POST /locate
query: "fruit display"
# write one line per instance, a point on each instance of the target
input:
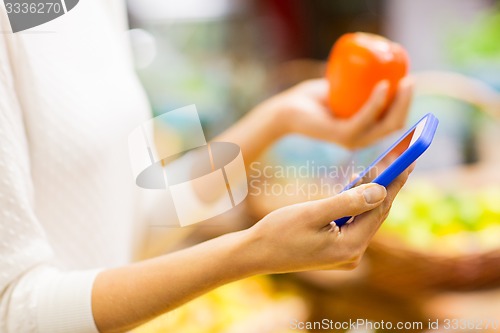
(357, 62)
(429, 219)
(250, 305)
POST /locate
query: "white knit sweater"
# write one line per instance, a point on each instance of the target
(68, 203)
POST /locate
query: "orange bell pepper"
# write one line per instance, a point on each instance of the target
(357, 62)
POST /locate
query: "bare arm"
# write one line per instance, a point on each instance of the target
(127, 296)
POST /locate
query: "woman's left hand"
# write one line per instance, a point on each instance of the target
(303, 109)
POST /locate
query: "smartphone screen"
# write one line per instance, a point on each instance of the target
(368, 175)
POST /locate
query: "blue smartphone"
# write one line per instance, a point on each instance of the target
(398, 157)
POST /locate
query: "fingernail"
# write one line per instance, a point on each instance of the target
(407, 80)
(384, 85)
(374, 194)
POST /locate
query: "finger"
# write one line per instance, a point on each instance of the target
(395, 186)
(396, 116)
(329, 128)
(366, 225)
(354, 177)
(372, 108)
(411, 168)
(353, 202)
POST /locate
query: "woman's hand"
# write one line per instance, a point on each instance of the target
(291, 239)
(303, 109)
(300, 237)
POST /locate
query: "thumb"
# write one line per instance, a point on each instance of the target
(353, 202)
(373, 107)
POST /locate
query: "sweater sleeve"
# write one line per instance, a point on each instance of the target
(34, 297)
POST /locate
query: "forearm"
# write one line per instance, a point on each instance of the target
(125, 297)
(256, 131)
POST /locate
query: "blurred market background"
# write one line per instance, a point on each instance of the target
(438, 254)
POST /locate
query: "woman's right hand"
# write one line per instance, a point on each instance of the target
(300, 237)
(291, 239)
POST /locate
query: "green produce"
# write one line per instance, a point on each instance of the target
(448, 222)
